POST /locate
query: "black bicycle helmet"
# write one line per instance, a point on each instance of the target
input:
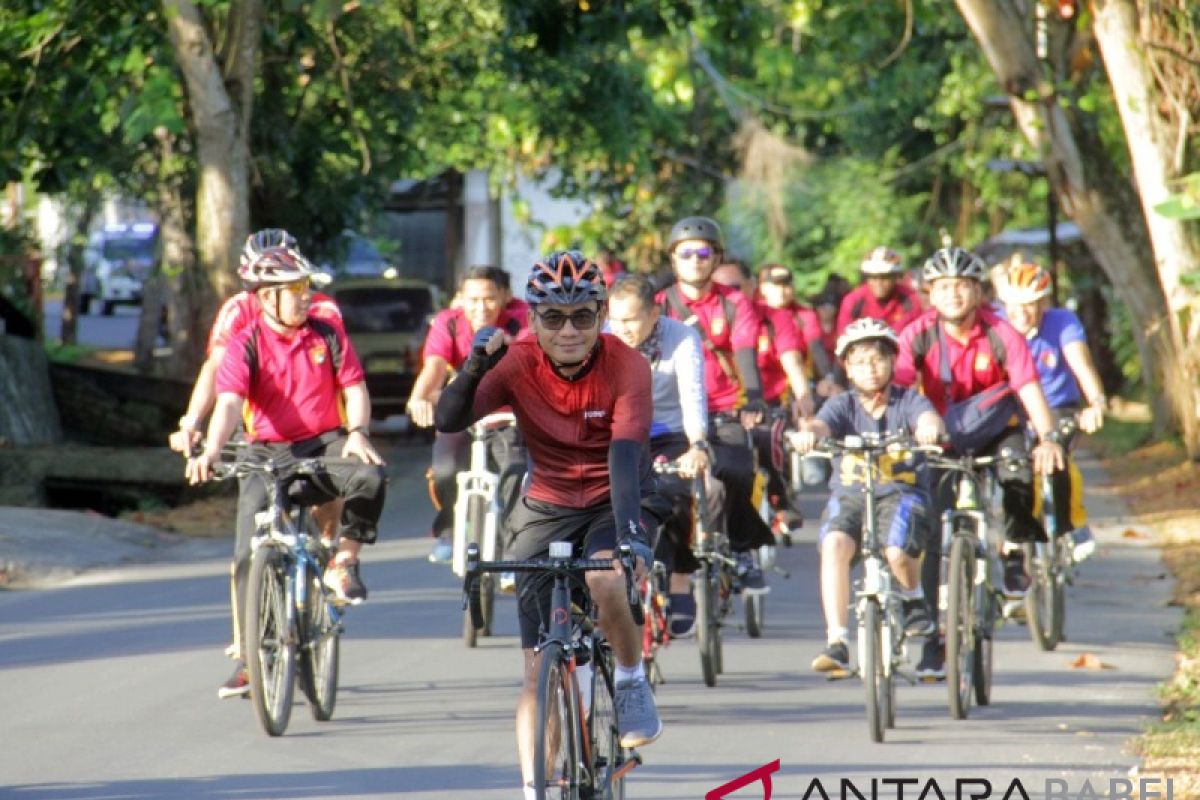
(953, 262)
(701, 228)
(566, 277)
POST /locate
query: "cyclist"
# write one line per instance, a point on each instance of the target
(1058, 344)
(584, 401)
(678, 429)
(868, 349)
(881, 295)
(481, 303)
(303, 390)
(728, 329)
(781, 354)
(777, 291)
(970, 363)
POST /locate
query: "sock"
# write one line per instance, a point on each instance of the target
(910, 594)
(530, 792)
(834, 635)
(629, 673)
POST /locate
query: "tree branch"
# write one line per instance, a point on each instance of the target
(344, 78)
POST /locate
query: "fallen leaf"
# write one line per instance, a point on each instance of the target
(1130, 533)
(1090, 661)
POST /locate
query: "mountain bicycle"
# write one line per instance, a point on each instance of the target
(293, 623)
(477, 513)
(1051, 565)
(879, 608)
(577, 747)
(968, 587)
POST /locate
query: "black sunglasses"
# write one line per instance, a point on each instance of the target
(582, 320)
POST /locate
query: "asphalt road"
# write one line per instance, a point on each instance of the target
(110, 691)
(95, 330)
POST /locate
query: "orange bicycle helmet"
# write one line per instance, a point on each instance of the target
(1025, 283)
(567, 277)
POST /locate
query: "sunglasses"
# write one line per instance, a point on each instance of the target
(299, 287)
(582, 320)
(685, 253)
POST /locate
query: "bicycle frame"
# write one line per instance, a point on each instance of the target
(478, 482)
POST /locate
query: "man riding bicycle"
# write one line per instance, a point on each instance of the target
(678, 430)
(481, 298)
(583, 400)
(974, 367)
(728, 329)
(1058, 344)
(875, 405)
(304, 393)
(882, 294)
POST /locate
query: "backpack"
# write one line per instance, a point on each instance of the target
(674, 307)
(976, 422)
(326, 331)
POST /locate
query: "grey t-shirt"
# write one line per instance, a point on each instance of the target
(676, 357)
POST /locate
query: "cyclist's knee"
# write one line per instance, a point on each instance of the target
(839, 545)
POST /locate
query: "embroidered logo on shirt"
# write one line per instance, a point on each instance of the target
(982, 362)
(589, 414)
(1049, 359)
(318, 353)
(718, 326)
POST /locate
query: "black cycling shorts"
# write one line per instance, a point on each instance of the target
(535, 524)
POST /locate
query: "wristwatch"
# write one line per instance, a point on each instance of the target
(363, 429)
(1053, 437)
(188, 423)
(702, 446)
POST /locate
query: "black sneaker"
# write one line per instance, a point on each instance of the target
(834, 660)
(917, 620)
(345, 582)
(238, 684)
(750, 575)
(1016, 579)
(932, 666)
(682, 615)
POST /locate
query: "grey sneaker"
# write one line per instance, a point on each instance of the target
(1083, 542)
(834, 660)
(637, 716)
(238, 684)
(443, 550)
(750, 574)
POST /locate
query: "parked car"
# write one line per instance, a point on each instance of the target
(387, 319)
(116, 264)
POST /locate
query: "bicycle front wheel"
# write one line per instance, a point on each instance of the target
(1044, 603)
(320, 654)
(960, 622)
(609, 759)
(708, 630)
(871, 667)
(270, 645)
(556, 735)
(756, 613)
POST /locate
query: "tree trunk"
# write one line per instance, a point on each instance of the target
(220, 94)
(72, 285)
(1089, 188)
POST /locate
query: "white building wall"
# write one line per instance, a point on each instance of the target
(520, 242)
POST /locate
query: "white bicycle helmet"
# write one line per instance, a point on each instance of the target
(953, 262)
(882, 262)
(866, 329)
(275, 265)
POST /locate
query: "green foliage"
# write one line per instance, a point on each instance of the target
(16, 248)
(1184, 204)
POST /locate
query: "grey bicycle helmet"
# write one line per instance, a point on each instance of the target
(701, 228)
(863, 330)
(881, 262)
(567, 277)
(953, 262)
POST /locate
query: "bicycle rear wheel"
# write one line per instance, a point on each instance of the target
(1044, 602)
(608, 757)
(960, 623)
(320, 654)
(270, 644)
(708, 629)
(756, 612)
(871, 667)
(986, 611)
(476, 518)
(556, 735)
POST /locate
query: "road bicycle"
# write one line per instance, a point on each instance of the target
(882, 650)
(293, 622)
(1051, 565)
(577, 747)
(968, 587)
(477, 514)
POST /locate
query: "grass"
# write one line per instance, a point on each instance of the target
(69, 353)
(1120, 437)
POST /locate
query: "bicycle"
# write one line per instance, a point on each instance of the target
(878, 606)
(1051, 566)
(293, 624)
(577, 749)
(477, 513)
(968, 564)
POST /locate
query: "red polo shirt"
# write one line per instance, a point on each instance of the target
(974, 366)
(450, 334)
(897, 311)
(778, 334)
(568, 425)
(243, 308)
(294, 393)
(731, 324)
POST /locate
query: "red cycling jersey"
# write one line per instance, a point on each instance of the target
(974, 366)
(730, 322)
(569, 424)
(778, 334)
(897, 311)
(292, 385)
(242, 309)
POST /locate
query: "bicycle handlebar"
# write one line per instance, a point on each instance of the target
(496, 420)
(554, 566)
